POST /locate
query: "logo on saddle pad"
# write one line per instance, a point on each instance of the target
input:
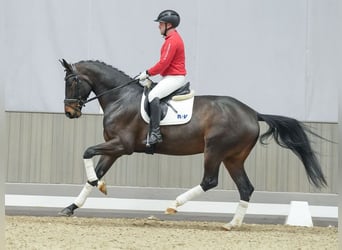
(176, 109)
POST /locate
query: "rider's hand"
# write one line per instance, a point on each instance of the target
(143, 76)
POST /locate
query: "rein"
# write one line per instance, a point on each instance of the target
(82, 102)
(108, 91)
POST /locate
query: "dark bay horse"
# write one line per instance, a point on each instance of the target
(222, 128)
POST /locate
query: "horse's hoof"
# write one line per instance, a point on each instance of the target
(102, 187)
(66, 212)
(170, 210)
(227, 227)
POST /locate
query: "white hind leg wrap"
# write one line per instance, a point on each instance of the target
(90, 171)
(239, 215)
(83, 195)
(188, 195)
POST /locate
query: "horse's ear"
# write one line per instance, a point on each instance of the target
(66, 66)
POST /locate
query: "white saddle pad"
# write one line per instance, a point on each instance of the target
(180, 115)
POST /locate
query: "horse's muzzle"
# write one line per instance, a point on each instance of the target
(73, 115)
(72, 110)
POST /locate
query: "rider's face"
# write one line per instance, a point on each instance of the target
(163, 26)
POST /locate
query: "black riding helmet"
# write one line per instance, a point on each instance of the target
(169, 16)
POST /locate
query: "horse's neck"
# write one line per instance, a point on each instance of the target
(115, 94)
(109, 81)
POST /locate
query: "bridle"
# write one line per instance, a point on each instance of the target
(81, 102)
(78, 99)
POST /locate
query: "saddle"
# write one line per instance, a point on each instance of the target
(180, 94)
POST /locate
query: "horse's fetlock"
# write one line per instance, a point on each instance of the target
(93, 183)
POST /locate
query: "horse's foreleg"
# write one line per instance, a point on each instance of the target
(90, 171)
(102, 167)
(110, 154)
(105, 162)
(87, 188)
(92, 177)
(245, 188)
(79, 201)
(110, 151)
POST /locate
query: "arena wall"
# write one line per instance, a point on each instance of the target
(48, 148)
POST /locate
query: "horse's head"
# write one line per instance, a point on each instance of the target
(77, 90)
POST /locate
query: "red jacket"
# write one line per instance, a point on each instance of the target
(172, 57)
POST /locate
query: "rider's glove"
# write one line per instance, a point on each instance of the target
(143, 76)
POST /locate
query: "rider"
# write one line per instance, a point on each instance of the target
(171, 67)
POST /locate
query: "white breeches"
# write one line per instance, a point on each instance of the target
(166, 86)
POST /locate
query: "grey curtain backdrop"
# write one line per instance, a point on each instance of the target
(279, 57)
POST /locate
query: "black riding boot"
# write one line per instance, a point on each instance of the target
(155, 135)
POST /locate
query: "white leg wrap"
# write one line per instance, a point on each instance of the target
(183, 198)
(239, 215)
(90, 171)
(189, 195)
(83, 195)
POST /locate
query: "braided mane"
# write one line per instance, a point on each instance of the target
(104, 64)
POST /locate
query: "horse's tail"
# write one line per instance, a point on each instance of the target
(290, 133)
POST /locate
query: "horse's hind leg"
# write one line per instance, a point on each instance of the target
(209, 181)
(239, 176)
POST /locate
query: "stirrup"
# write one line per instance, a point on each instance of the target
(154, 138)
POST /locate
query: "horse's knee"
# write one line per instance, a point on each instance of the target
(209, 183)
(88, 154)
